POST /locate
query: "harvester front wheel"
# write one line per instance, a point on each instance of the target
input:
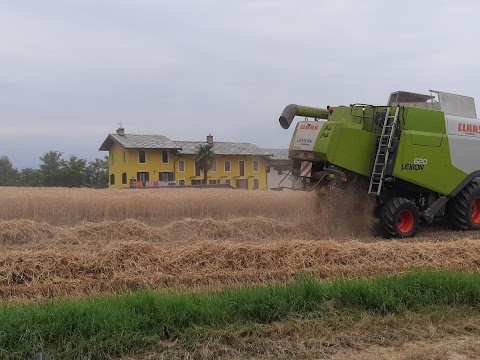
(400, 218)
(464, 212)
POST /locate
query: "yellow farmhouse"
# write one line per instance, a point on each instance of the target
(155, 161)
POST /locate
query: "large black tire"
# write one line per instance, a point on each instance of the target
(463, 211)
(399, 218)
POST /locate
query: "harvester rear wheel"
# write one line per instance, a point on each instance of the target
(400, 218)
(464, 211)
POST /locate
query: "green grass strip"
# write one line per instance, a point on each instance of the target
(103, 327)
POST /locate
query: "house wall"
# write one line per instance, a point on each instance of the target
(127, 161)
(154, 165)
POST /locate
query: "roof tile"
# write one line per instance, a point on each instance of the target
(223, 148)
(131, 141)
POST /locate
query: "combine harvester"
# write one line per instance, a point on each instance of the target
(419, 156)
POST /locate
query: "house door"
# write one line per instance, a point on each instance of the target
(241, 167)
(165, 177)
(242, 183)
(143, 176)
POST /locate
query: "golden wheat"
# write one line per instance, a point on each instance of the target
(28, 234)
(78, 242)
(63, 206)
(132, 265)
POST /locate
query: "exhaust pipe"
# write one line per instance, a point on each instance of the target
(293, 110)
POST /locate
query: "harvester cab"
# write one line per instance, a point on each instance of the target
(418, 155)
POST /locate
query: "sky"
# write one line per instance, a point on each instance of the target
(71, 71)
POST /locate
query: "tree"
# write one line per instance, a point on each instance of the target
(51, 167)
(97, 172)
(30, 177)
(73, 173)
(8, 174)
(204, 159)
(56, 171)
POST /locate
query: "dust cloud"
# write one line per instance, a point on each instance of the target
(344, 213)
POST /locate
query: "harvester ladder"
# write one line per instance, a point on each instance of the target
(383, 151)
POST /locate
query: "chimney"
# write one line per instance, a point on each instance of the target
(121, 131)
(210, 139)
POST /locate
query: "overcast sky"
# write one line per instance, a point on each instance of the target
(72, 70)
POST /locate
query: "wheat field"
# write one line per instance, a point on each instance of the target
(62, 206)
(79, 242)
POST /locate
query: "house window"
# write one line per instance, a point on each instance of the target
(164, 156)
(255, 165)
(196, 182)
(111, 157)
(256, 184)
(112, 179)
(124, 157)
(198, 171)
(124, 178)
(227, 166)
(165, 176)
(143, 176)
(214, 166)
(241, 166)
(181, 182)
(141, 157)
(213, 181)
(228, 181)
(181, 165)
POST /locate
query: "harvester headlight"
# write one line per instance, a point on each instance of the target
(325, 134)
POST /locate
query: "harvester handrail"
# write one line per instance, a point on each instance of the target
(352, 106)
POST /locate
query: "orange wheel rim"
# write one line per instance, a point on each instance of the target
(476, 211)
(406, 220)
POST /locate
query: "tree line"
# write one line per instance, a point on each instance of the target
(55, 170)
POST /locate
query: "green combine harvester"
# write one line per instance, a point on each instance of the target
(419, 156)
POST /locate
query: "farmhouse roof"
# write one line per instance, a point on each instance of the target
(223, 148)
(131, 141)
(279, 154)
(280, 159)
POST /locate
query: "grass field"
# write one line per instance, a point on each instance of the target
(100, 328)
(61, 244)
